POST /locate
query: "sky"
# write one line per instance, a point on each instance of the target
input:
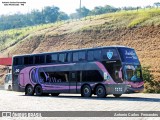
(68, 6)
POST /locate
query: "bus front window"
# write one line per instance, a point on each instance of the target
(133, 73)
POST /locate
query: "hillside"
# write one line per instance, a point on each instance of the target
(137, 29)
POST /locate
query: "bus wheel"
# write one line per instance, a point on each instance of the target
(117, 95)
(38, 90)
(29, 90)
(9, 88)
(54, 94)
(86, 91)
(100, 91)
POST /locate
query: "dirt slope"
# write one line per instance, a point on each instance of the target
(103, 30)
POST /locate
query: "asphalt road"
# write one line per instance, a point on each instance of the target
(10, 100)
(17, 101)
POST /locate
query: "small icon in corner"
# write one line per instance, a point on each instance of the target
(6, 114)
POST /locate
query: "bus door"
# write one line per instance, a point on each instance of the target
(74, 78)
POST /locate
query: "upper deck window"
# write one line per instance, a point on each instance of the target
(18, 61)
(28, 60)
(69, 57)
(97, 54)
(51, 58)
(62, 57)
(79, 56)
(82, 56)
(94, 55)
(90, 56)
(39, 59)
(75, 57)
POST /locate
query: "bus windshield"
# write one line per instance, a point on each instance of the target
(133, 73)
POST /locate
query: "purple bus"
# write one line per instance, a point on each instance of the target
(101, 71)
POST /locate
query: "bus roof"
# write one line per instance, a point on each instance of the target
(113, 46)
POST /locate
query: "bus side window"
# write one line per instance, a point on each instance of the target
(39, 59)
(69, 57)
(97, 54)
(51, 58)
(48, 59)
(82, 56)
(62, 57)
(75, 57)
(90, 56)
(18, 61)
(75, 76)
(28, 60)
(91, 76)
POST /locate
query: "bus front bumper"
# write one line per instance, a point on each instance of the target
(135, 90)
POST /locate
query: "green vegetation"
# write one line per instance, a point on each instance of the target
(52, 14)
(110, 21)
(35, 17)
(144, 16)
(124, 19)
(10, 37)
(151, 85)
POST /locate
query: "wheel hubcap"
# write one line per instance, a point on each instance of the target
(86, 91)
(100, 91)
(29, 90)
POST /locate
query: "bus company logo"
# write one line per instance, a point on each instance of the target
(130, 53)
(109, 55)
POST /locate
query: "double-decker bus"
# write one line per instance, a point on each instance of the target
(101, 71)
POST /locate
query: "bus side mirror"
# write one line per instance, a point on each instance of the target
(120, 74)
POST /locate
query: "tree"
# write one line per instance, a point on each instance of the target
(51, 14)
(151, 85)
(62, 16)
(83, 12)
(101, 10)
(74, 16)
(157, 4)
(36, 17)
(109, 9)
(97, 10)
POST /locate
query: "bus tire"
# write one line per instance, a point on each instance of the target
(54, 94)
(38, 90)
(29, 90)
(101, 91)
(86, 91)
(117, 95)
